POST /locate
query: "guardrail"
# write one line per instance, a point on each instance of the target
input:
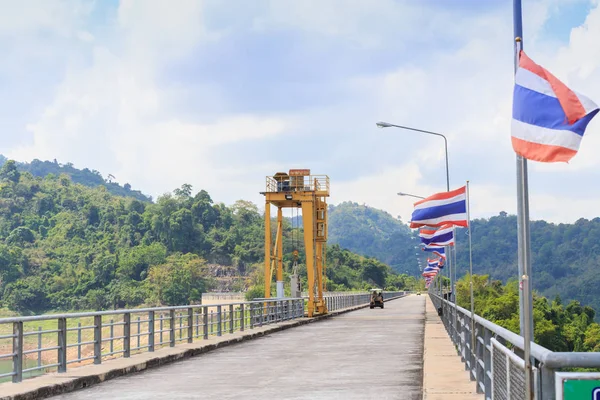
(39, 344)
(496, 363)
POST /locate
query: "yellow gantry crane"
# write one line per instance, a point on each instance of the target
(301, 190)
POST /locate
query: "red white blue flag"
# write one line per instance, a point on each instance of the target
(444, 236)
(549, 119)
(437, 250)
(441, 209)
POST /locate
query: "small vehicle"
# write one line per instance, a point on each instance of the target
(418, 293)
(376, 298)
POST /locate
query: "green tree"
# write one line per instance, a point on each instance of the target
(9, 172)
(181, 280)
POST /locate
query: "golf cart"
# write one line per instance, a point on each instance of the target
(376, 298)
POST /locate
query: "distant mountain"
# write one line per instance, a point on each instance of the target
(84, 177)
(64, 246)
(564, 256)
(375, 233)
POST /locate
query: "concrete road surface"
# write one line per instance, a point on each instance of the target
(366, 354)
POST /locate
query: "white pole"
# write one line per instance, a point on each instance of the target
(471, 273)
(454, 267)
(524, 238)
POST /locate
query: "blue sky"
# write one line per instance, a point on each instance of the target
(197, 91)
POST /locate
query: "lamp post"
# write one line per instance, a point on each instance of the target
(388, 125)
(382, 124)
(410, 195)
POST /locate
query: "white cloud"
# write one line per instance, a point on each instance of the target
(367, 23)
(118, 114)
(110, 116)
(57, 16)
(467, 96)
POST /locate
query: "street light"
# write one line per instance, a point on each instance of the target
(410, 195)
(388, 125)
(382, 124)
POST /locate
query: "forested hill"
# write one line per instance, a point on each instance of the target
(65, 246)
(84, 176)
(564, 256)
(375, 233)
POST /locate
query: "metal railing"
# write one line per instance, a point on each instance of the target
(496, 362)
(39, 344)
(317, 183)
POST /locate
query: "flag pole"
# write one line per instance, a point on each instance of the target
(471, 274)
(524, 241)
(454, 266)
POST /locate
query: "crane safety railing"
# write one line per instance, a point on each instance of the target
(31, 346)
(496, 364)
(312, 183)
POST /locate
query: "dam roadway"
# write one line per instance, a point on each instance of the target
(366, 354)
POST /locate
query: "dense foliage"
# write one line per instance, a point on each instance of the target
(564, 258)
(563, 255)
(67, 246)
(374, 233)
(556, 326)
(84, 176)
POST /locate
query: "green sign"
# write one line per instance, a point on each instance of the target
(575, 389)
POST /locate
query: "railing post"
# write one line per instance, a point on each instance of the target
(97, 339)
(39, 353)
(127, 334)
(172, 328)
(242, 321)
(160, 327)
(112, 335)
(62, 345)
(219, 321)
(279, 310)
(487, 360)
(205, 322)
(17, 348)
(180, 325)
(151, 322)
(479, 355)
(472, 354)
(198, 322)
(231, 318)
(463, 339)
(190, 323)
(548, 387)
(252, 312)
(139, 331)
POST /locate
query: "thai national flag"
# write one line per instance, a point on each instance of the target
(439, 263)
(444, 236)
(446, 208)
(549, 119)
(440, 251)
